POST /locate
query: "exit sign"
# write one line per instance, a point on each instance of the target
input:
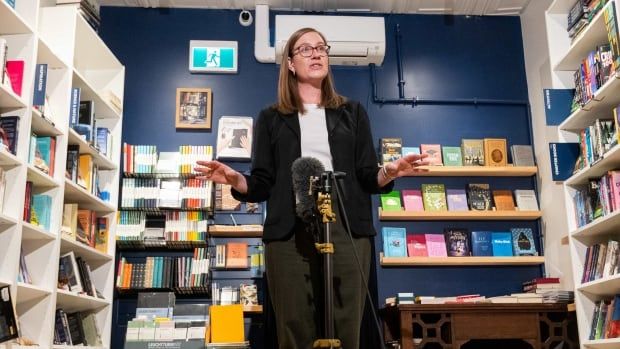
(212, 56)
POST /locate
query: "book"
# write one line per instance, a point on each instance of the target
(522, 155)
(102, 233)
(503, 200)
(234, 137)
(436, 245)
(473, 152)
(410, 150)
(526, 200)
(391, 201)
(391, 149)
(523, 242)
(86, 121)
(226, 323)
(85, 227)
(434, 197)
(416, 245)
(68, 228)
(501, 243)
(457, 242)
(40, 85)
(412, 200)
(452, 156)
(74, 108)
(394, 241)
(15, 69)
(4, 53)
(563, 157)
(457, 200)
(236, 255)
(9, 132)
(8, 329)
(558, 104)
(481, 243)
(479, 196)
(68, 273)
(495, 153)
(434, 154)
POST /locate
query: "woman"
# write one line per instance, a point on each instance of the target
(310, 119)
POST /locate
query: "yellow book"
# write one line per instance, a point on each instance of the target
(226, 323)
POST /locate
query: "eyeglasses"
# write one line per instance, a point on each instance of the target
(306, 50)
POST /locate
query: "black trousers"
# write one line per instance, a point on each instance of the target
(295, 275)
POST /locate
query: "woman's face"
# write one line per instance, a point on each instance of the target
(313, 68)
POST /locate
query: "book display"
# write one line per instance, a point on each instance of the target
(585, 57)
(58, 187)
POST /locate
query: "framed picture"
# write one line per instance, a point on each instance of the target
(69, 273)
(234, 137)
(193, 108)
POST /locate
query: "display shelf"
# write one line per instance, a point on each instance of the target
(40, 179)
(604, 100)
(34, 232)
(57, 346)
(12, 22)
(610, 343)
(99, 159)
(459, 261)
(45, 54)
(609, 161)
(6, 220)
(76, 194)
(103, 109)
(72, 302)
(27, 292)
(476, 171)
(608, 286)
(9, 100)
(8, 160)
(594, 34)
(185, 291)
(43, 126)
(94, 257)
(244, 231)
(165, 209)
(598, 227)
(458, 215)
(253, 309)
(159, 244)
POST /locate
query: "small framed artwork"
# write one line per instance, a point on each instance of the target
(234, 138)
(193, 108)
(69, 273)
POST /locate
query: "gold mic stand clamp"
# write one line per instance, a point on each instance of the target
(326, 343)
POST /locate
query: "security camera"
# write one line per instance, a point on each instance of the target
(245, 18)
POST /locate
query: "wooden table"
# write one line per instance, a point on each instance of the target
(450, 326)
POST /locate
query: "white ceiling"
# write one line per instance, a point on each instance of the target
(453, 7)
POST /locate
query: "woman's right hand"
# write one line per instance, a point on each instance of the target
(222, 174)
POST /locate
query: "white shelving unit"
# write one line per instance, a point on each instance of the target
(565, 58)
(37, 32)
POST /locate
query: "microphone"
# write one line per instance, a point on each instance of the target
(302, 169)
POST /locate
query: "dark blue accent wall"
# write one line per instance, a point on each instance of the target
(443, 57)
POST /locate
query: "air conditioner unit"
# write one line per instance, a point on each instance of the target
(353, 40)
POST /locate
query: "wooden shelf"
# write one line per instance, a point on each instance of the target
(8, 160)
(253, 309)
(34, 232)
(458, 215)
(76, 194)
(8, 99)
(92, 256)
(40, 179)
(72, 302)
(12, 22)
(459, 261)
(608, 162)
(236, 230)
(604, 100)
(605, 287)
(43, 126)
(103, 162)
(477, 171)
(610, 343)
(27, 292)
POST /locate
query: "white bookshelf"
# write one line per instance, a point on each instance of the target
(38, 32)
(565, 58)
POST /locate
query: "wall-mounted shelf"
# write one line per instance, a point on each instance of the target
(459, 261)
(236, 230)
(476, 171)
(458, 215)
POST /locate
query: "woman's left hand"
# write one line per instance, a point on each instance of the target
(407, 165)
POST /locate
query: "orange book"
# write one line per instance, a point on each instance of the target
(503, 200)
(495, 153)
(226, 324)
(236, 255)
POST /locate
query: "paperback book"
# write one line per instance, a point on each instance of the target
(457, 242)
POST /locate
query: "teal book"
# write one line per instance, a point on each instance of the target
(391, 201)
(394, 241)
(452, 156)
(41, 210)
(410, 150)
(43, 154)
(502, 244)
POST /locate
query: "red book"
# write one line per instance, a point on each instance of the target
(416, 245)
(15, 69)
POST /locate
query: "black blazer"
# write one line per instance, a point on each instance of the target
(277, 144)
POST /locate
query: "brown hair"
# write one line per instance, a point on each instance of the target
(289, 100)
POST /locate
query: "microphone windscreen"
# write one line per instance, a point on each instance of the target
(302, 169)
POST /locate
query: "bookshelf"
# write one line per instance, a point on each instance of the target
(458, 215)
(565, 58)
(459, 261)
(476, 171)
(38, 32)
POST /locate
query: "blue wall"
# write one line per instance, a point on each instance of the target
(443, 57)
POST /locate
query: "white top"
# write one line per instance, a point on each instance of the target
(314, 140)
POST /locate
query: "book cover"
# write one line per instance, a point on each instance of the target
(473, 152)
(481, 243)
(501, 243)
(457, 242)
(434, 197)
(563, 157)
(412, 200)
(15, 69)
(391, 149)
(558, 104)
(495, 153)
(9, 132)
(40, 84)
(611, 25)
(84, 227)
(236, 255)
(101, 237)
(436, 245)
(226, 323)
(391, 201)
(503, 200)
(394, 241)
(85, 171)
(526, 200)
(434, 153)
(416, 245)
(410, 150)
(523, 242)
(457, 200)
(86, 121)
(234, 137)
(452, 156)
(479, 196)
(522, 155)
(74, 109)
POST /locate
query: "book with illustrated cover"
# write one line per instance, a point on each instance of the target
(234, 137)
(457, 242)
(391, 201)
(68, 228)
(236, 255)
(436, 245)
(412, 200)
(457, 200)
(503, 200)
(501, 243)
(8, 321)
(473, 152)
(391, 149)
(101, 237)
(416, 245)
(452, 156)
(523, 242)
(9, 131)
(479, 196)
(526, 200)
(394, 241)
(481, 243)
(611, 24)
(410, 150)
(522, 155)
(434, 197)
(495, 153)
(434, 154)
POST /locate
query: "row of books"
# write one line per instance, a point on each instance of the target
(245, 294)
(181, 273)
(79, 328)
(541, 285)
(83, 120)
(89, 9)
(472, 152)
(82, 170)
(42, 153)
(152, 193)
(37, 208)
(606, 319)
(24, 273)
(599, 198)
(145, 160)
(477, 197)
(75, 275)
(601, 261)
(84, 226)
(168, 226)
(458, 242)
(581, 14)
(596, 140)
